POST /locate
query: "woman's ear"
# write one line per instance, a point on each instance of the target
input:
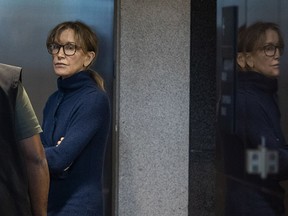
(89, 58)
(241, 61)
(249, 60)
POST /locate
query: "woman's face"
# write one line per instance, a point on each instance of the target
(65, 66)
(261, 63)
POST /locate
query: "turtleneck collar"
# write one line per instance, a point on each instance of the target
(74, 82)
(258, 80)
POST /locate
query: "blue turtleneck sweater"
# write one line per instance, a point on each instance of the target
(257, 115)
(79, 111)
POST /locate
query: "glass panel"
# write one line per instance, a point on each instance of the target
(252, 155)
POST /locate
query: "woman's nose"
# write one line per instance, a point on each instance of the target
(61, 51)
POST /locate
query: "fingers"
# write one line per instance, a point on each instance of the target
(59, 142)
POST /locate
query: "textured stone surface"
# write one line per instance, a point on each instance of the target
(154, 108)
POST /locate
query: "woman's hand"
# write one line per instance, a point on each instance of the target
(59, 142)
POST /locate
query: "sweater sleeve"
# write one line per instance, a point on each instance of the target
(86, 121)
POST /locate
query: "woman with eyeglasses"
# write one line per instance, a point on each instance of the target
(253, 185)
(76, 121)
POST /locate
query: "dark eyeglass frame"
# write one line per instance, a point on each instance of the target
(270, 48)
(54, 48)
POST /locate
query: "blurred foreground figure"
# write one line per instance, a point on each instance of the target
(24, 177)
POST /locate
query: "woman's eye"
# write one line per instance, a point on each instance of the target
(270, 48)
(70, 47)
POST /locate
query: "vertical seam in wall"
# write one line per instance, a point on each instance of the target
(116, 109)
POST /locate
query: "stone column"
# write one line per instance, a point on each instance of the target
(153, 108)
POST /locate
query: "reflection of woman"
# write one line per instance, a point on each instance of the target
(257, 115)
(75, 124)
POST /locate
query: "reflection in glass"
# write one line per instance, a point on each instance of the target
(255, 154)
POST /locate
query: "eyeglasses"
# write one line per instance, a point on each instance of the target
(69, 48)
(270, 50)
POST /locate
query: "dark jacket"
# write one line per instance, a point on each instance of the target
(14, 196)
(79, 111)
(257, 115)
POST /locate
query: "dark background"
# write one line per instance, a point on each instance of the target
(204, 86)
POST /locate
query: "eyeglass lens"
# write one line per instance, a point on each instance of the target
(270, 50)
(69, 49)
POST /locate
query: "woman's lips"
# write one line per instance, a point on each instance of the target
(60, 65)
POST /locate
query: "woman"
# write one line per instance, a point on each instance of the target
(257, 119)
(75, 123)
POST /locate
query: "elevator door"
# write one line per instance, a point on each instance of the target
(24, 28)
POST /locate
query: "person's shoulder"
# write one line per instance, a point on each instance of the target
(9, 76)
(249, 100)
(52, 99)
(249, 93)
(94, 96)
(53, 95)
(94, 90)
